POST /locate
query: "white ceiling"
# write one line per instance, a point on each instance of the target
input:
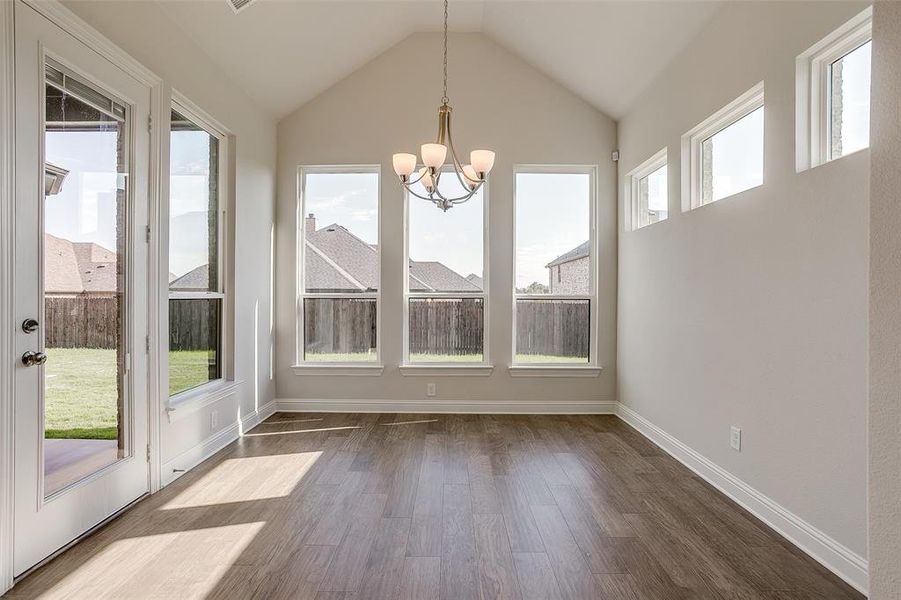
(284, 53)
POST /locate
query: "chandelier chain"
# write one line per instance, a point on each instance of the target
(444, 98)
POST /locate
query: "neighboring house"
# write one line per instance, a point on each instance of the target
(338, 261)
(569, 272)
(195, 280)
(72, 268)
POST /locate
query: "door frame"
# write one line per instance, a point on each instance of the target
(69, 22)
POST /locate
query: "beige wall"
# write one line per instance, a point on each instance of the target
(752, 311)
(142, 30)
(390, 105)
(885, 306)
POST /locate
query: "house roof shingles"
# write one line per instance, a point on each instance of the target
(339, 261)
(77, 267)
(580, 251)
(197, 279)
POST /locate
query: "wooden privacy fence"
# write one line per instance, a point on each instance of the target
(338, 325)
(447, 326)
(81, 321)
(194, 324)
(91, 322)
(553, 327)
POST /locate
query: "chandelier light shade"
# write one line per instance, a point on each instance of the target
(435, 155)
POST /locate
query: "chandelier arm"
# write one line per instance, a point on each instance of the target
(457, 200)
(420, 197)
(417, 180)
(461, 174)
(441, 198)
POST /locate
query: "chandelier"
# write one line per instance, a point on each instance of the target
(471, 176)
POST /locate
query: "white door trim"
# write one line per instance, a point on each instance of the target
(7, 242)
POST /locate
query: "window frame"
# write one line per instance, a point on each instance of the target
(213, 389)
(693, 140)
(814, 89)
(301, 365)
(482, 367)
(591, 367)
(633, 208)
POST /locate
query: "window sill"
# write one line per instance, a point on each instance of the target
(314, 369)
(446, 370)
(191, 401)
(553, 371)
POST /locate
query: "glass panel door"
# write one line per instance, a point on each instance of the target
(84, 236)
(82, 158)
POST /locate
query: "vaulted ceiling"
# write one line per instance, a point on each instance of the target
(284, 53)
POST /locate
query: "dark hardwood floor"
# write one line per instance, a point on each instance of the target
(340, 506)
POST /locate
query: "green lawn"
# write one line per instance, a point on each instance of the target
(187, 369)
(80, 394)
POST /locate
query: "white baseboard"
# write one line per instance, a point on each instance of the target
(258, 416)
(528, 407)
(198, 453)
(836, 557)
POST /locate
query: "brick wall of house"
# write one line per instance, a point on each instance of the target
(570, 277)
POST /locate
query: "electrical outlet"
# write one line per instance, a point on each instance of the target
(431, 389)
(735, 439)
(214, 419)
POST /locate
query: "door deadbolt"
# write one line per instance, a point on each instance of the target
(30, 325)
(32, 358)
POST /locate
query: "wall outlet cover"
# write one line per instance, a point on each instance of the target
(735, 438)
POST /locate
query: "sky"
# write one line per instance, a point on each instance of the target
(738, 156)
(657, 193)
(454, 238)
(189, 174)
(85, 209)
(552, 218)
(856, 99)
(348, 199)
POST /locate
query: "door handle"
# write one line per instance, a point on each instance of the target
(32, 358)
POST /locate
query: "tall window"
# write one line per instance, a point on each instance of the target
(724, 154)
(556, 271)
(339, 247)
(196, 287)
(833, 106)
(445, 288)
(646, 192)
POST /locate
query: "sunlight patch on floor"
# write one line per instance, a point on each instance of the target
(300, 431)
(270, 476)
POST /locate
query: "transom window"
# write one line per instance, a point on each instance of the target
(338, 237)
(445, 301)
(833, 106)
(555, 300)
(196, 286)
(723, 156)
(646, 193)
